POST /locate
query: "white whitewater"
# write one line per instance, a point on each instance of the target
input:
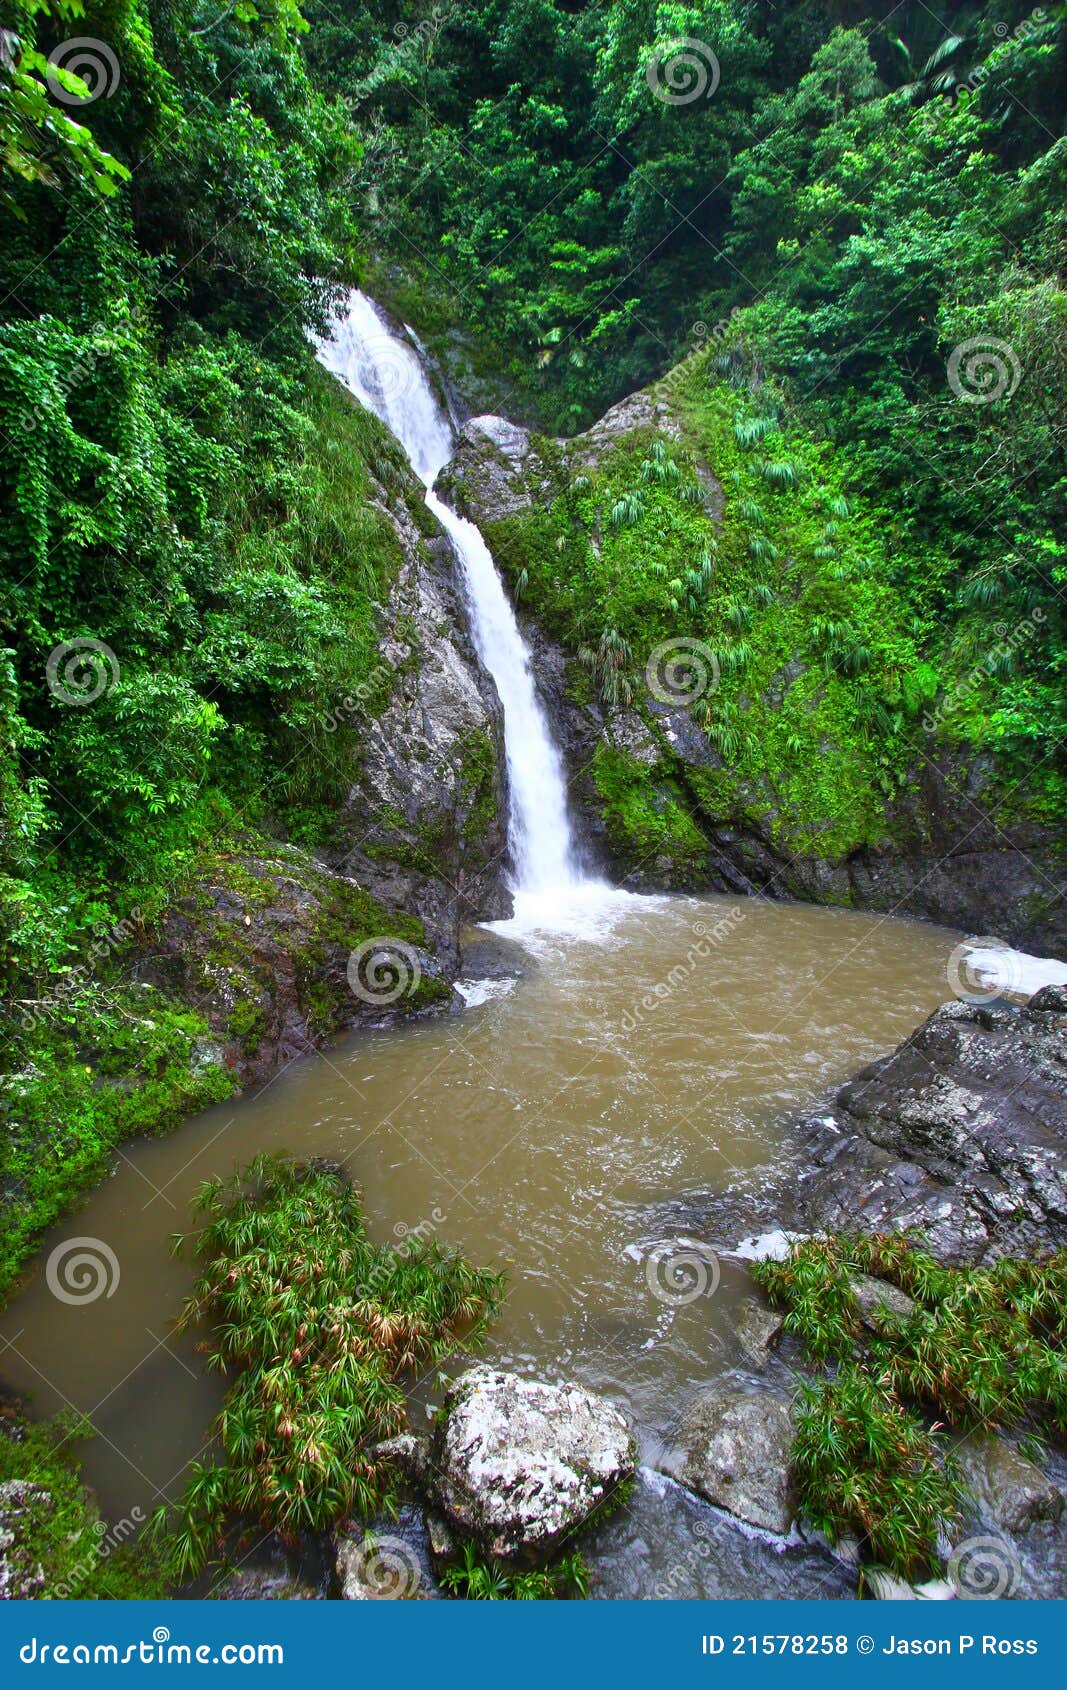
(387, 375)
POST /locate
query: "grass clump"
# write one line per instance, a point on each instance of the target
(319, 1326)
(982, 1346)
(868, 1468)
(474, 1579)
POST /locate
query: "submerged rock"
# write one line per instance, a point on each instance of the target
(409, 1453)
(259, 1584)
(1008, 1488)
(520, 1465)
(757, 1328)
(736, 1445)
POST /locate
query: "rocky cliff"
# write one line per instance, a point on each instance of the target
(279, 948)
(793, 740)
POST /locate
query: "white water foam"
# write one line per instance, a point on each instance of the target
(552, 894)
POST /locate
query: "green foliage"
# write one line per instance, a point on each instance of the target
(80, 1555)
(867, 1468)
(852, 207)
(648, 821)
(319, 1327)
(473, 1579)
(101, 1064)
(40, 142)
(984, 1347)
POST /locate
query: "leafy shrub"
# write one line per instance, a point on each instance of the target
(319, 1326)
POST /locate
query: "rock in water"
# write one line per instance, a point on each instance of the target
(377, 1569)
(520, 1465)
(757, 1329)
(736, 1447)
(1006, 1486)
(959, 1134)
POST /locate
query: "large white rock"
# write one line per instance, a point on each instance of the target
(519, 1465)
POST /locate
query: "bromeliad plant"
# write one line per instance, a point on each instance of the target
(319, 1325)
(982, 1346)
(869, 1468)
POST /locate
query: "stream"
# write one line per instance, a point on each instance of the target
(555, 1128)
(572, 1124)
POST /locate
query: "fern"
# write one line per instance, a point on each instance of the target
(779, 472)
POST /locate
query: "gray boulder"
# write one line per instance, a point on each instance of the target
(520, 1465)
(736, 1445)
(882, 1306)
(757, 1329)
(959, 1134)
(1007, 1487)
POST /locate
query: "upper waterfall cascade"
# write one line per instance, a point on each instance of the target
(387, 374)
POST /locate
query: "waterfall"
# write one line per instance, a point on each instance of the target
(386, 374)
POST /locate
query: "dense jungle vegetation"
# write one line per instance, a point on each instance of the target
(193, 559)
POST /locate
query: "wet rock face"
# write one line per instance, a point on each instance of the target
(258, 1584)
(961, 1132)
(736, 1446)
(519, 1465)
(425, 824)
(948, 852)
(278, 953)
(1010, 1490)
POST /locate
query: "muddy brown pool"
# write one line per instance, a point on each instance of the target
(563, 1127)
